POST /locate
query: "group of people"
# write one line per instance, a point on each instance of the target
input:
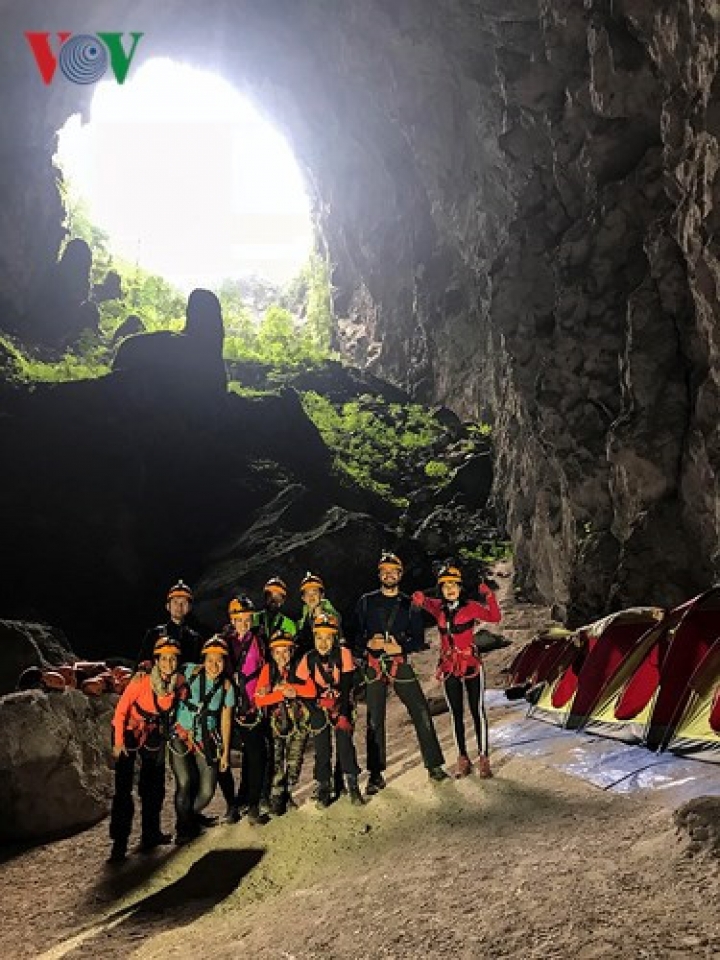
(266, 684)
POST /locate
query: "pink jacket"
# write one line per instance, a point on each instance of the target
(247, 658)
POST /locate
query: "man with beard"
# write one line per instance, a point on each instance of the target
(388, 630)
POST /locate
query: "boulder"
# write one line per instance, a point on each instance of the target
(55, 772)
(24, 645)
(699, 821)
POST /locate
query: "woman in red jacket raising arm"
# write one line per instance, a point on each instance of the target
(460, 664)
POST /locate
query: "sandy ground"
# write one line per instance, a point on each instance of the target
(529, 864)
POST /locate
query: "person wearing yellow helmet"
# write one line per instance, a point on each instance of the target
(460, 666)
(178, 604)
(245, 660)
(142, 723)
(201, 744)
(388, 630)
(331, 668)
(271, 618)
(283, 695)
(312, 594)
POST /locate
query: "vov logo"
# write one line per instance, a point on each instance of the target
(82, 57)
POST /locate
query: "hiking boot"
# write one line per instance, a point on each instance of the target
(437, 774)
(324, 797)
(356, 798)
(483, 765)
(231, 815)
(375, 784)
(204, 821)
(182, 838)
(118, 854)
(463, 768)
(255, 818)
(159, 839)
(277, 806)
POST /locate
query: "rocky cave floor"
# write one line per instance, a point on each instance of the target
(530, 864)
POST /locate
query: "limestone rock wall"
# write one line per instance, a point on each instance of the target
(519, 197)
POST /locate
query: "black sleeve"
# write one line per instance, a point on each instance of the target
(346, 688)
(147, 646)
(416, 631)
(194, 645)
(358, 628)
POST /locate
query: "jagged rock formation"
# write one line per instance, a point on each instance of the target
(519, 197)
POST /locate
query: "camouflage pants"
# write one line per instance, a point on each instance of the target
(288, 754)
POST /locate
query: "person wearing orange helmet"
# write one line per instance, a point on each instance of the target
(283, 695)
(271, 618)
(178, 604)
(332, 669)
(460, 666)
(245, 661)
(312, 594)
(200, 747)
(142, 723)
(388, 629)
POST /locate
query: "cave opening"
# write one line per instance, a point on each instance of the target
(186, 179)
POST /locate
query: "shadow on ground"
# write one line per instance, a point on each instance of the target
(208, 882)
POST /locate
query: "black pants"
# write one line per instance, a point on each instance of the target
(151, 788)
(322, 741)
(410, 692)
(195, 782)
(253, 742)
(475, 691)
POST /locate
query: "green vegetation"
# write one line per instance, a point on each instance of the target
(287, 329)
(279, 338)
(487, 552)
(436, 470)
(88, 363)
(375, 442)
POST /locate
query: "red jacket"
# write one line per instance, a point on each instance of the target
(140, 692)
(267, 696)
(465, 617)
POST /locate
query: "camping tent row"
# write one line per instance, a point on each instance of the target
(644, 675)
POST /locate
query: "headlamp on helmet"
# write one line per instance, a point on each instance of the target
(281, 639)
(240, 605)
(449, 573)
(180, 589)
(215, 644)
(390, 561)
(311, 580)
(277, 586)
